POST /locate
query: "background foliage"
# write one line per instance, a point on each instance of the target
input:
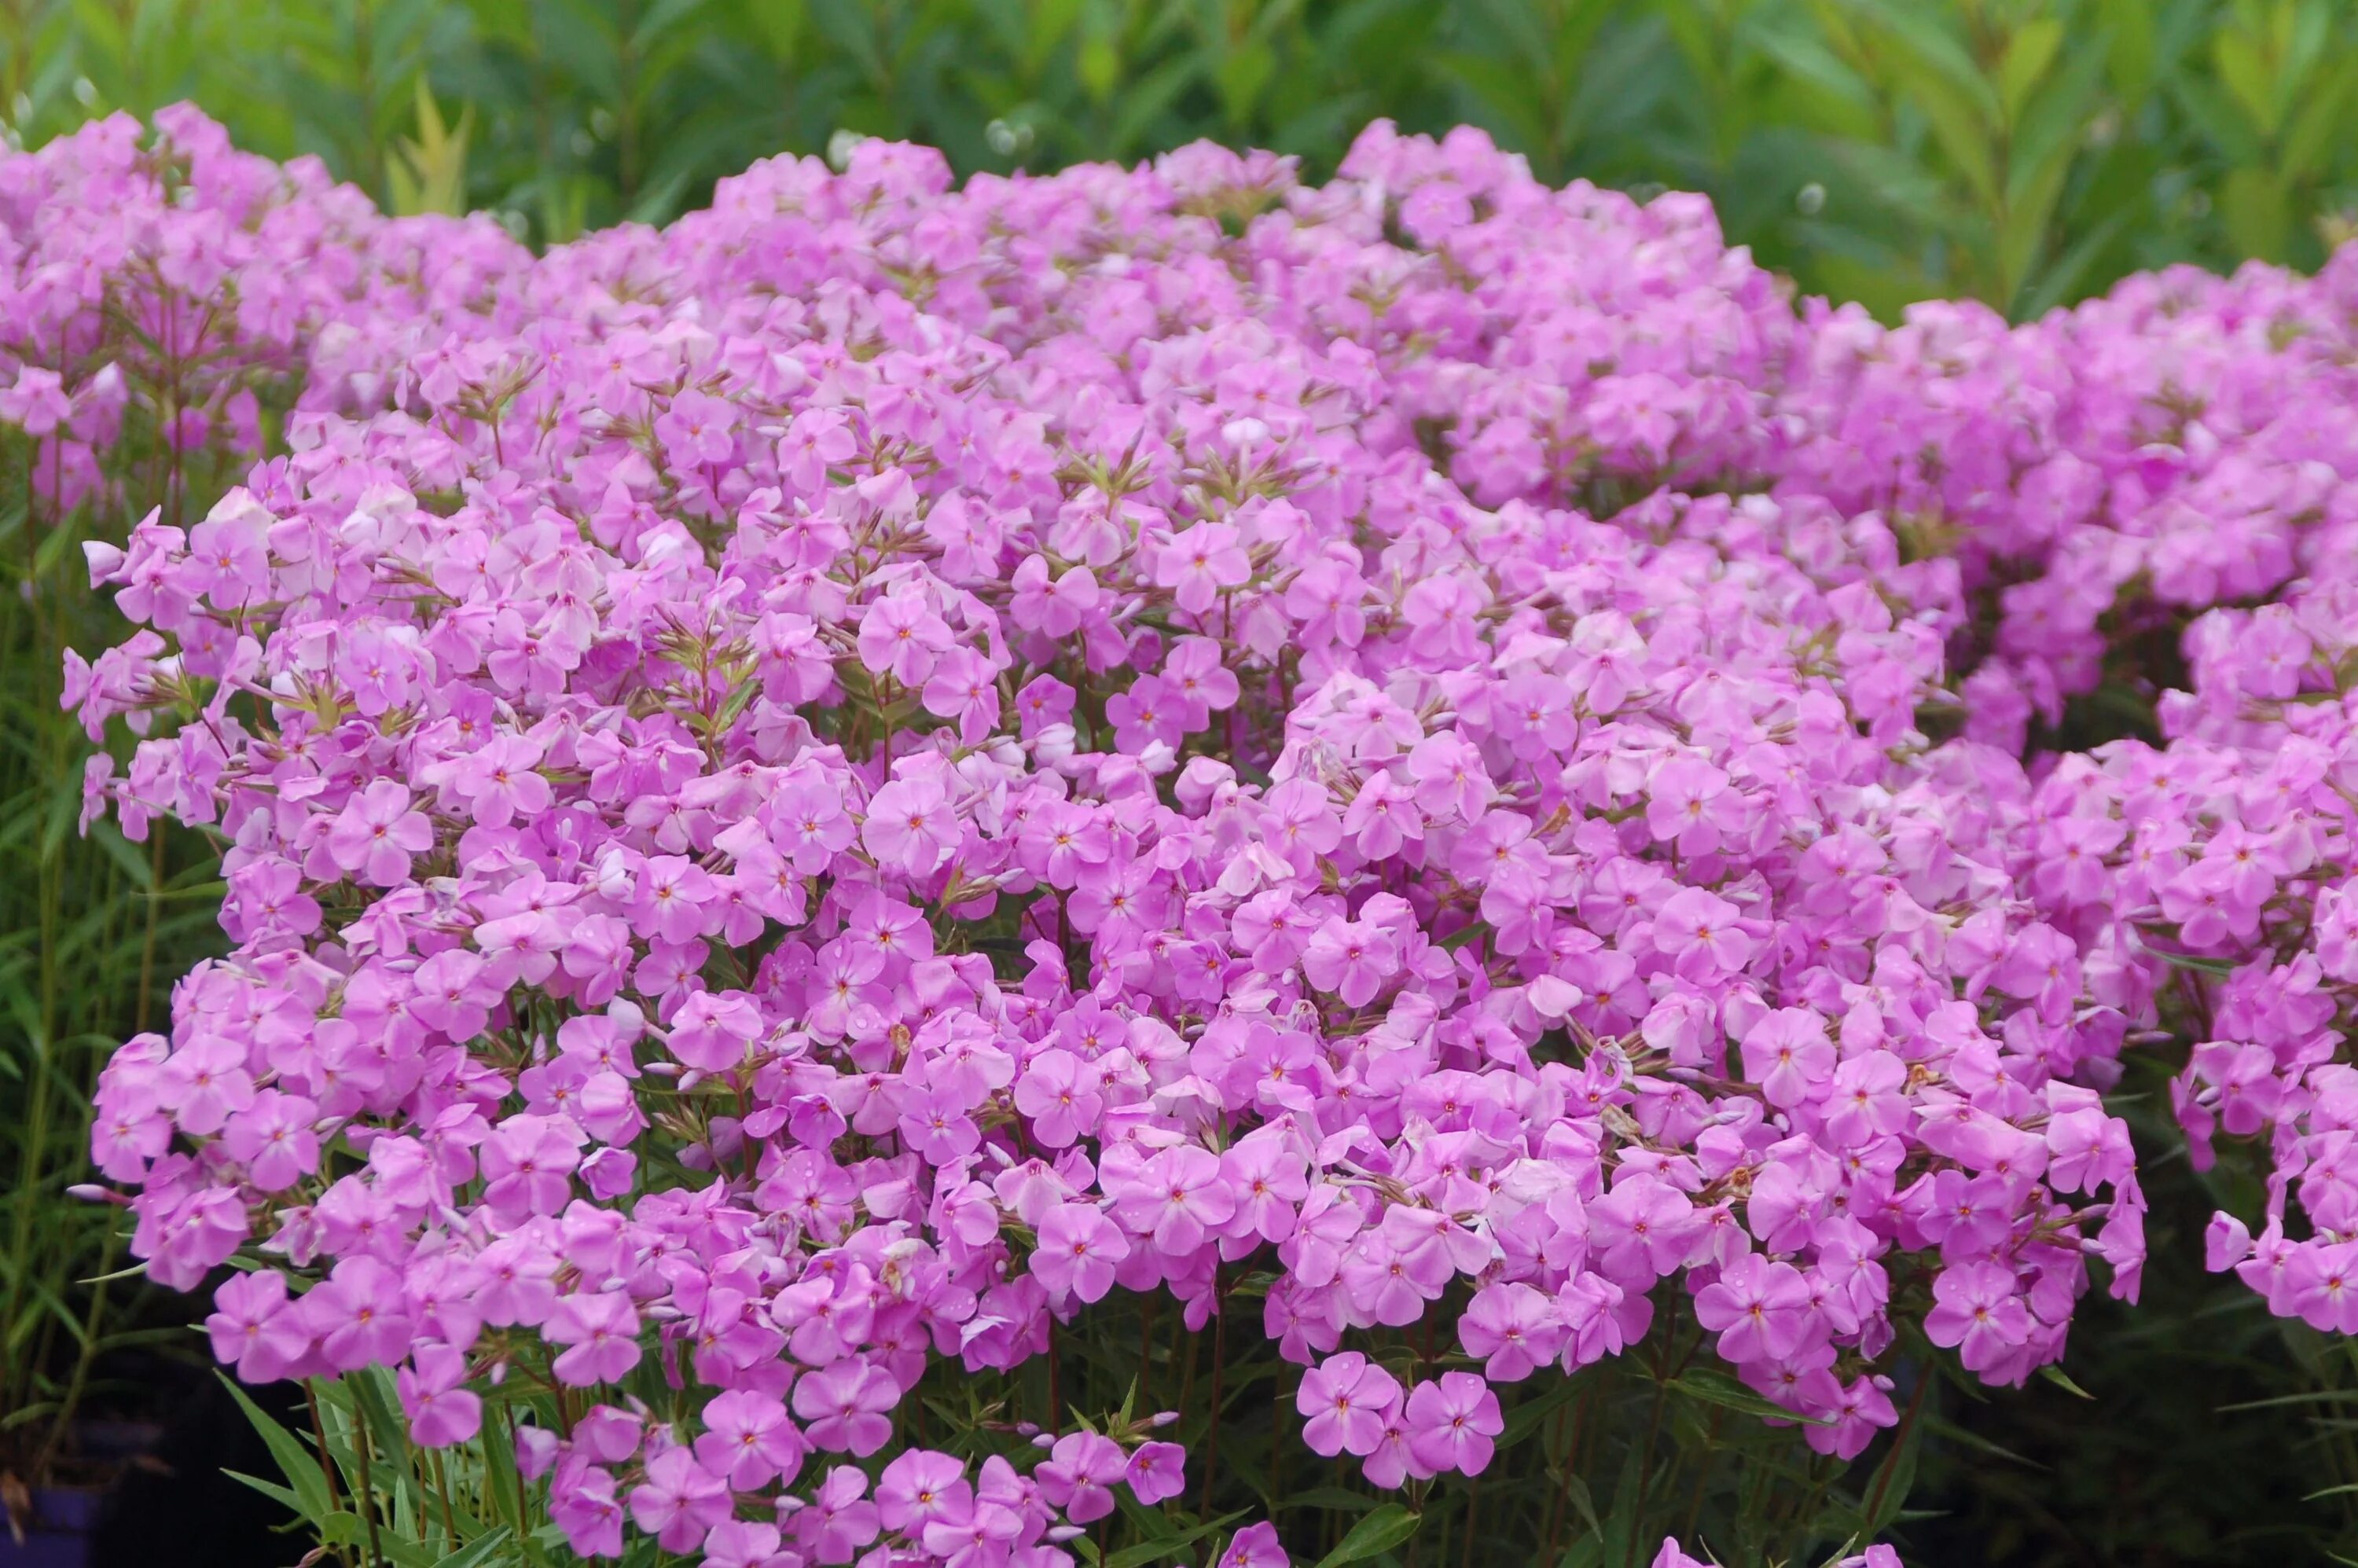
(2025, 152)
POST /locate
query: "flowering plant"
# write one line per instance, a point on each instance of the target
(826, 808)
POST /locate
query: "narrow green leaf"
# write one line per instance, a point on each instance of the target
(298, 1464)
(477, 1552)
(1169, 1545)
(1718, 1389)
(1379, 1532)
(2028, 55)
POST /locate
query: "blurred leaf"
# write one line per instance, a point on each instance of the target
(2028, 55)
(1377, 1533)
(2254, 208)
(428, 173)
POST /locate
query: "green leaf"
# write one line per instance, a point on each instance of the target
(1525, 1418)
(1718, 1389)
(1887, 1492)
(477, 1552)
(2258, 212)
(1582, 1502)
(1963, 133)
(1379, 1532)
(279, 1495)
(1169, 1545)
(2246, 71)
(2319, 126)
(2196, 961)
(2057, 1376)
(1622, 1524)
(301, 1467)
(2028, 55)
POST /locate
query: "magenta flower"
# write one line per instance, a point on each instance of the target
(1346, 1398)
(911, 825)
(358, 1315)
(900, 636)
(1157, 1472)
(844, 1408)
(375, 835)
(1759, 1308)
(748, 1440)
(1078, 1252)
(602, 1333)
(711, 1031)
(1452, 1422)
(273, 1136)
(1200, 562)
(1175, 1198)
(1700, 933)
(1080, 1475)
(1977, 1310)
(253, 1328)
(441, 1411)
(1512, 1328)
(582, 1503)
(679, 1501)
(1351, 959)
(919, 1486)
(1255, 1546)
(839, 1520)
(1788, 1055)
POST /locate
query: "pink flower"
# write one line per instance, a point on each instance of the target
(358, 1315)
(1157, 1472)
(843, 1407)
(748, 1440)
(1347, 1400)
(1788, 1055)
(273, 1136)
(1758, 1307)
(375, 835)
(1700, 933)
(919, 1486)
(839, 1520)
(910, 826)
(36, 404)
(1200, 562)
(1976, 1308)
(899, 636)
(582, 1503)
(253, 1328)
(1352, 958)
(1080, 1475)
(712, 1030)
(1079, 1251)
(1175, 1198)
(441, 1413)
(1511, 1327)
(679, 1501)
(602, 1331)
(499, 782)
(1255, 1546)
(1452, 1423)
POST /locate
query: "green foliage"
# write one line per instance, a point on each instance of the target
(2025, 152)
(92, 931)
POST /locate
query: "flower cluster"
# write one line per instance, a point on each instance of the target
(812, 793)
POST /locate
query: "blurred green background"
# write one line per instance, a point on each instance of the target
(2026, 152)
